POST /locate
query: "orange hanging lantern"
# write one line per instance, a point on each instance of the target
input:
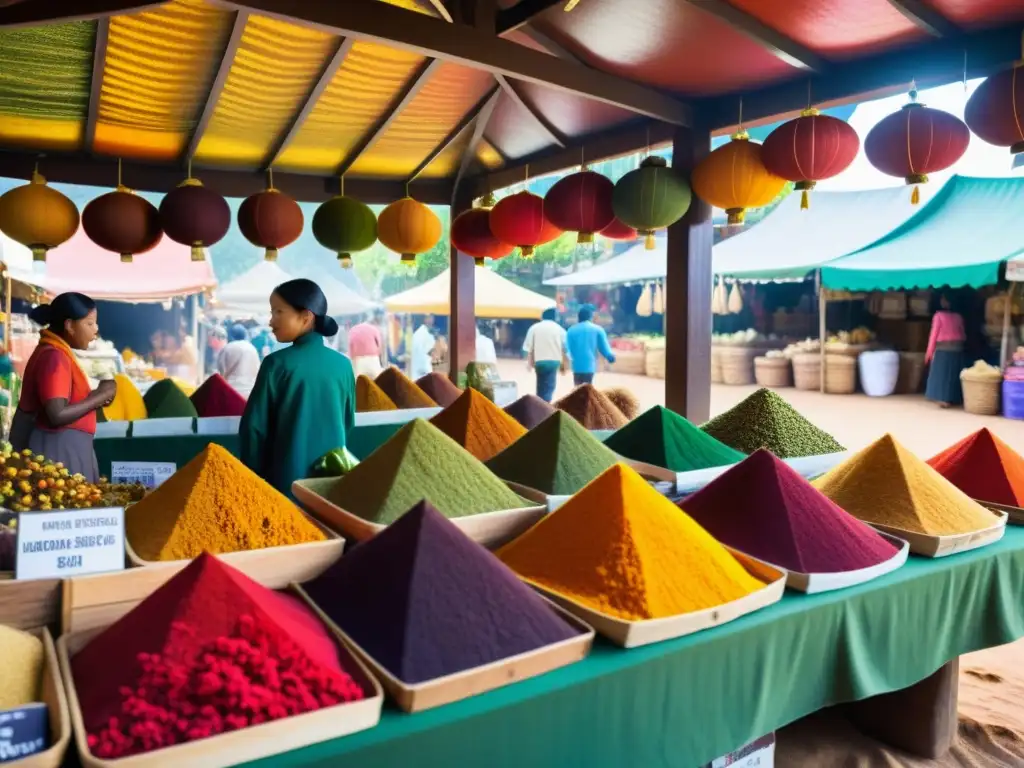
(520, 219)
(408, 227)
(734, 178)
(37, 216)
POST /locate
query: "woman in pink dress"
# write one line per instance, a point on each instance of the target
(945, 356)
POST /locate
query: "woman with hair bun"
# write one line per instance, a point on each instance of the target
(56, 413)
(303, 402)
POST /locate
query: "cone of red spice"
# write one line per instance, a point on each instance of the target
(592, 408)
(766, 509)
(529, 410)
(439, 388)
(210, 651)
(217, 398)
(985, 468)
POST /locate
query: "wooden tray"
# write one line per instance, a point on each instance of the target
(631, 634)
(236, 747)
(416, 697)
(1014, 515)
(57, 710)
(811, 583)
(940, 546)
(29, 604)
(491, 529)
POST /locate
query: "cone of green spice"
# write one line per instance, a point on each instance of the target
(420, 462)
(557, 457)
(164, 400)
(663, 438)
(765, 420)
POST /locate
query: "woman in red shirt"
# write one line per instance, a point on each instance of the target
(57, 411)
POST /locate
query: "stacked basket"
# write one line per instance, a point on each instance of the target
(981, 393)
(774, 372)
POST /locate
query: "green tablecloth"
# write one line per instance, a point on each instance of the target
(681, 703)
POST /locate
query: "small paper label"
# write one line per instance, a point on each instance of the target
(71, 542)
(23, 732)
(151, 474)
(1015, 270)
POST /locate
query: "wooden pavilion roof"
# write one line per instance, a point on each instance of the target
(437, 93)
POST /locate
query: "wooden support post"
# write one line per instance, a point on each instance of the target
(822, 330)
(462, 304)
(688, 284)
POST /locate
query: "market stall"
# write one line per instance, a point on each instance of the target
(496, 297)
(248, 294)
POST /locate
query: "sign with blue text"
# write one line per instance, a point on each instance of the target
(23, 732)
(69, 542)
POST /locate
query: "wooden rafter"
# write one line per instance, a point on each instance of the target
(30, 14)
(241, 18)
(523, 13)
(770, 39)
(441, 8)
(99, 56)
(543, 123)
(926, 18)
(486, 103)
(401, 101)
(385, 24)
(482, 119)
(326, 75)
(555, 49)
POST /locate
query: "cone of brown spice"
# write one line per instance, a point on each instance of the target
(402, 390)
(592, 409)
(529, 410)
(439, 388)
(370, 397)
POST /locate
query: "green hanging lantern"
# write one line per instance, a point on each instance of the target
(345, 225)
(650, 198)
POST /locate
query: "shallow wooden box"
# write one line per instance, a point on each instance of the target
(812, 583)
(491, 529)
(631, 634)
(57, 710)
(416, 697)
(941, 546)
(1014, 515)
(236, 747)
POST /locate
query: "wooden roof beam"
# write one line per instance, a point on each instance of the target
(474, 114)
(241, 18)
(388, 25)
(926, 18)
(482, 120)
(326, 75)
(552, 133)
(522, 13)
(32, 14)
(770, 39)
(400, 102)
(441, 8)
(99, 56)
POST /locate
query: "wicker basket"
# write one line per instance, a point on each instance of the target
(654, 362)
(807, 371)
(773, 372)
(981, 394)
(911, 373)
(840, 349)
(633, 361)
(716, 364)
(840, 374)
(738, 365)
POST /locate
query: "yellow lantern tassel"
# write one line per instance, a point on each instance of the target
(197, 252)
(409, 259)
(478, 261)
(585, 237)
(345, 259)
(526, 251)
(649, 241)
(736, 215)
(805, 200)
(915, 196)
(126, 258)
(270, 254)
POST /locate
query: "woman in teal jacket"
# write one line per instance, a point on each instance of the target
(304, 400)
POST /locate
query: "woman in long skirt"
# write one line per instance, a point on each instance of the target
(946, 356)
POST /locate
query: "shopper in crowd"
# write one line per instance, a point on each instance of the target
(423, 343)
(366, 347)
(545, 348)
(585, 341)
(56, 414)
(303, 402)
(945, 356)
(485, 351)
(239, 362)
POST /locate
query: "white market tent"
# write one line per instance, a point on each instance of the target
(496, 297)
(633, 266)
(249, 293)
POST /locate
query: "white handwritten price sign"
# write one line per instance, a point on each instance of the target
(23, 732)
(72, 542)
(151, 474)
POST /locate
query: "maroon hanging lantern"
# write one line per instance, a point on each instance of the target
(471, 234)
(619, 231)
(581, 202)
(194, 215)
(270, 220)
(809, 149)
(122, 222)
(916, 141)
(995, 111)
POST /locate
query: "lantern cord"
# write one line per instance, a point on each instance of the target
(189, 168)
(808, 93)
(270, 178)
(648, 141)
(740, 126)
(965, 70)
(119, 172)
(407, 189)
(341, 183)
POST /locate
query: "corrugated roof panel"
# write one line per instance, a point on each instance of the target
(447, 163)
(158, 71)
(45, 77)
(358, 96)
(274, 69)
(449, 94)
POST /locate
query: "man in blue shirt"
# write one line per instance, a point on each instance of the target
(584, 341)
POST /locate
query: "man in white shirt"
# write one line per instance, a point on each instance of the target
(485, 352)
(239, 362)
(423, 342)
(546, 353)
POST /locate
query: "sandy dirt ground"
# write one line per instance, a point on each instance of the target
(991, 682)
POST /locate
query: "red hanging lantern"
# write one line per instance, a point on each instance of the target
(520, 219)
(122, 222)
(194, 215)
(995, 111)
(619, 231)
(270, 220)
(581, 202)
(916, 141)
(809, 149)
(471, 234)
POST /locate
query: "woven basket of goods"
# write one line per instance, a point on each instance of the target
(738, 365)
(772, 371)
(654, 362)
(807, 371)
(840, 374)
(632, 361)
(716, 364)
(981, 385)
(911, 373)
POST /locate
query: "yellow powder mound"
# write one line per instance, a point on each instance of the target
(214, 504)
(621, 548)
(128, 404)
(21, 668)
(888, 485)
(184, 386)
(478, 425)
(370, 397)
